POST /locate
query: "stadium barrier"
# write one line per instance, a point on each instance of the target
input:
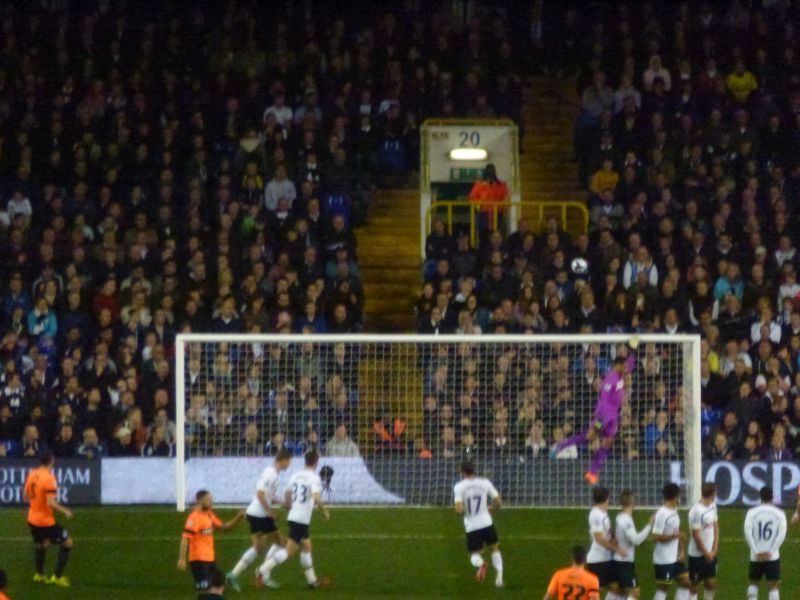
(573, 217)
(378, 480)
(79, 481)
(230, 480)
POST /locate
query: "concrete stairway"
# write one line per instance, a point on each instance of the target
(390, 261)
(548, 171)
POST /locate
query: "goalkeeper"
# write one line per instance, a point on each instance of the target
(606, 415)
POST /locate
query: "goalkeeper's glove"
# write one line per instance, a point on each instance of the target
(598, 425)
(633, 343)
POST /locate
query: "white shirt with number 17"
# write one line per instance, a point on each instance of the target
(267, 483)
(475, 494)
(765, 530)
(303, 485)
(667, 522)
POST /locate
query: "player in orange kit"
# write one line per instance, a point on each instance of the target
(574, 581)
(41, 492)
(3, 583)
(198, 539)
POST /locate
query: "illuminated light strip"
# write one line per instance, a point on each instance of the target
(468, 154)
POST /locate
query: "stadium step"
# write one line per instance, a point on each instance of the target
(389, 260)
(547, 169)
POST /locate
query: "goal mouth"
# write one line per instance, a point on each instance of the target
(395, 415)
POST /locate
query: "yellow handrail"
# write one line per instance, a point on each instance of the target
(525, 207)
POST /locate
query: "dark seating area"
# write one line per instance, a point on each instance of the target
(177, 167)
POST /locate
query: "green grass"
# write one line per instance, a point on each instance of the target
(131, 553)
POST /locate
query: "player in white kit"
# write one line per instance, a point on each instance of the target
(623, 566)
(765, 530)
(669, 547)
(703, 543)
(303, 493)
(262, 517)
(598, 560)
(476, 498)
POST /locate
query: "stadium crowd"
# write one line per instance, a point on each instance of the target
(688, 144)
(175, 167)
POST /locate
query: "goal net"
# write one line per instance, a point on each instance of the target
(395, 416)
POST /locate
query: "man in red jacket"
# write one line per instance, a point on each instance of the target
(489, 194)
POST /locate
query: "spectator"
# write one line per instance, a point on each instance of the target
(596, 98)
(765, 327)
(640, 262)
(122, 444)
(777, 448)
(720, 449)
(157, 444)
(605, 180)
(65, 445)
(341, 444)
(15, 297)
(31, 444)
(741, 83)
(91, 448)
(655, 432)
(490, 194)
(655, 71)
(535, 444)
(42, 324)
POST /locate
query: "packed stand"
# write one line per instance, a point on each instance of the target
(196, 167)
(687, 144)
(248, 399)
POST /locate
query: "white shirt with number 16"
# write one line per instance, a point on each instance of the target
(765, 530)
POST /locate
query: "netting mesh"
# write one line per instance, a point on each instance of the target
(413, 411)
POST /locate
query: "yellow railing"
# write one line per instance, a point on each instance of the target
(534, 211)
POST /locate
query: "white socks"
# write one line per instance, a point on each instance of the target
(247, 558)
(660, 595)
(682, 593)
(708, 595)
(269, 564)
(308, 567)
(612, 596)
(752, 593)
(476, 560)
(272, 550)
(497, 563)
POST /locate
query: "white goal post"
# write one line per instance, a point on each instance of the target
(395, 415)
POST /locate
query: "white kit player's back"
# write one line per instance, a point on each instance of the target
(268, 483)
(476, 494)
(303, 485)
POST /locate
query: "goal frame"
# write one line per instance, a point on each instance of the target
(691, 364)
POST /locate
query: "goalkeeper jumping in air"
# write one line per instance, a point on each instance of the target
(606, 415)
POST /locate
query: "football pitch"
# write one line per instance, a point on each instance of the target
(127, 553)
